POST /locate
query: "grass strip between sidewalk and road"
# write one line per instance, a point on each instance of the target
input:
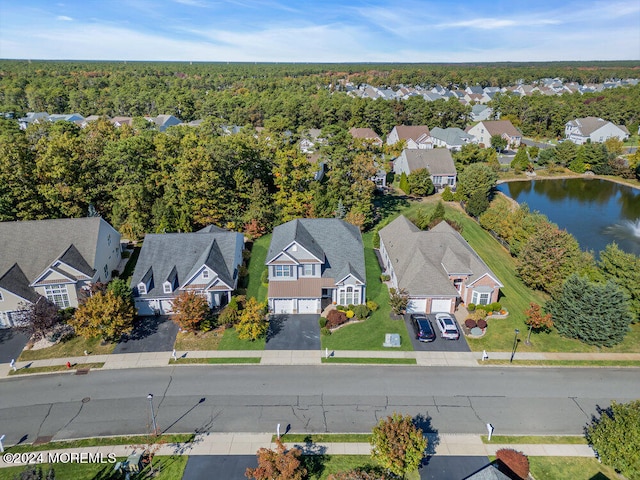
(216, 361)
(379, 361)
(324, 438)
(565, 363)
(55, 368)
(535, 439)
(101, 442)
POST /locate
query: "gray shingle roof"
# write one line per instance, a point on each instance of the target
(186, 253)
(330, 239)
(437, 160)
(451, 136)
(422, 260)
(16, 282)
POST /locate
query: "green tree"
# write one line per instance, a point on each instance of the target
(120, 288)
(624, 269)
(521, 159)
(420, 182)
(477, 204)
(397, 444)
(190, 310)
(404, 183)
(398, 300)
(498, 142)
(477, 177)
(103, 314)
(548, 257)
(565, 153)
(615, 436)
(594, 313)
(253, 323)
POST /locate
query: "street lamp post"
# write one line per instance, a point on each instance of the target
(153, 415)
(515, 345)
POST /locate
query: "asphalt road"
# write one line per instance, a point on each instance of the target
(309, 398)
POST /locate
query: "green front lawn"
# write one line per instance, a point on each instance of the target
(369, 335)
(256, 266)
(71, 348)
(570, 468)
(230, 341)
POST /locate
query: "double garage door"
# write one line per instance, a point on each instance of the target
(419, 305)
(151, 307)
(293, 305)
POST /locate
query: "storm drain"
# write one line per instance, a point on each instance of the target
(82, 371)
(86, 399)
(43, 439)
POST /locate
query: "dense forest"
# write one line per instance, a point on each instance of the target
(143, 180)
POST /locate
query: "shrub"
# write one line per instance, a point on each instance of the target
(361, 311)
(342, 308)
(447, 194)
(471, 307)
(325, 331)
(350, 314)
(242, 271)
(336, 318)
(385, 278)
(517, 462)
(470, 323)
(371, 305)
(482, 323)
(125, 254)
(322, 322)
(264, 277)
(495, 307)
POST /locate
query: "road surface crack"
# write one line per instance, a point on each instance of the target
(578, 405)
(44, 419)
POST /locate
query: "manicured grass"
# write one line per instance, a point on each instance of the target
(381, 361)
(169, 468)
(320, 468)
(369, 335)
(324, 438)
(131, 264)
(256, 267)
(71, 348)
(188, 341)
(570, 468)
(230, 341)
(100, 442)
(565, 363)
(217, 361)
(536, 439)
(55, 368)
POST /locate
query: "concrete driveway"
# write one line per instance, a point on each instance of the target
(12, 343)
(439, 344)
(150, 334)
(293, 332)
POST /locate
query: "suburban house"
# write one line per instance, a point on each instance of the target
(481, 112)
(483, 131)
(366, 134)
(54, 259)
(310, 138)
(582, 130)
(451, 138)
(437, 267)
(415, 136)
(437, 160)
(162, 122)
(205, 262)
(314, 262)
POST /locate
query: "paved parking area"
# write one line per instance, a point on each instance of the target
(229, 467)
(439, 344)
(150, 334)
(12, 343)
(293, 332)
(451, 467)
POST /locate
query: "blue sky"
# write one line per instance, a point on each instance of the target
(320, 31)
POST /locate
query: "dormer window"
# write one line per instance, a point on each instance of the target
(142, 289)
(205, 274)
(167, 287)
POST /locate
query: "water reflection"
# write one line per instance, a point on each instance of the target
(596, 212)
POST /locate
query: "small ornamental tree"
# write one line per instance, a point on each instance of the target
(447, 194)
(536, 320)
(615, 436)
(477, 204)
(103, 314)
(420, 182)
(253, 323)
(437, 215)
(521, 159)
(397, 444)
(281, 464)
(190, 310)
(398, 300)
(516, 461)
(594, 313)
(404, 183)
(121, 289)
(38, 318)
(498, 142)
(230, 314)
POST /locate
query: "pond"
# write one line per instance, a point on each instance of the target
(597, 212)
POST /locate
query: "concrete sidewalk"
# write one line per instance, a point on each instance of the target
(311, 357)
(249, 443)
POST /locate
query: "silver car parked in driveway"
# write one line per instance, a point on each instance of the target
(447, 326)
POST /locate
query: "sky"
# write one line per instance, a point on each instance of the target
(321, 31)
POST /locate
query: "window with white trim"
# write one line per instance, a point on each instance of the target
(167, 287)
(58, 295)
(480, 298)
(142, 288)
(308, 270)
(205, 274)
(282, 271)
(349, 296)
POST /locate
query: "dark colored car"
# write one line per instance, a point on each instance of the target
(423, 328)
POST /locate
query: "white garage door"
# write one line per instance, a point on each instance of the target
(281, 305)
(441, 305)
(417, 305)
(166, 306)
(308, 305)
(144, 307)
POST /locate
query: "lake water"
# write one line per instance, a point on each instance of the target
(596, 212)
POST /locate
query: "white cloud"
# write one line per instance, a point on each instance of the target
(64, 18)
(494, 23)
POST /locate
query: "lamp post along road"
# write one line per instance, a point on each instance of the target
(153, 415)
(515, 345)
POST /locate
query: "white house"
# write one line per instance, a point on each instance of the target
(593, 129)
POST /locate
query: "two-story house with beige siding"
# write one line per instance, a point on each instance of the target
(54, 259)
(314, 262)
